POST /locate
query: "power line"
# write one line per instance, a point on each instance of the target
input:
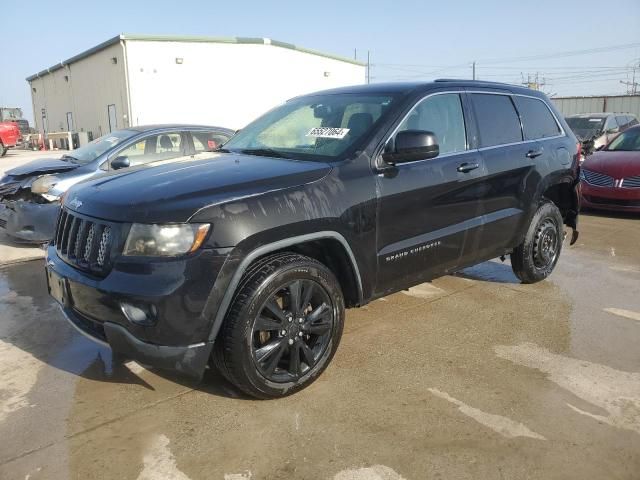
(570, 53)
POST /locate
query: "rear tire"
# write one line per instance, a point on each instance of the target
(3, 150)
(283, 327)
(536, 257)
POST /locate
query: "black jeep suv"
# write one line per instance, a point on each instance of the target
(249, 258)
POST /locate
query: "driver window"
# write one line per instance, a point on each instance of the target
(611, 123)
(442, 115)
(155, 148)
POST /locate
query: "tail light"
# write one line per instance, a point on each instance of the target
(579, 153)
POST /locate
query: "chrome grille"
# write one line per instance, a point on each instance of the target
(89, 242)
(597, 179)
(631, 182)
(105, 240)
(83, 242)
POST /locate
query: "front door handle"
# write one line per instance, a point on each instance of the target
(534, 153)
(467, 167)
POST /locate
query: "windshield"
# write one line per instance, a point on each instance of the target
(582, 125)
(628, 141)
(97, 147)
(322, 127)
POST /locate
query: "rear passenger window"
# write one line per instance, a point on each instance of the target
(537, 120)
(442, 115)
(498, 122)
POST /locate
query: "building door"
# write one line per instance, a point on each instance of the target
(69, 122)
(113, 120)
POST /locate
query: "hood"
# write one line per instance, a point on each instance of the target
(39, 167)
(175, 191)
(615, 164)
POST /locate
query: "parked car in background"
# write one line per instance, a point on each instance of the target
(30, 194)
(610, 177)
(10, 136)
(328, 201)
(595, 130)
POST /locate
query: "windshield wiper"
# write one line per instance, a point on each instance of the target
(267, 152)
(222, 150)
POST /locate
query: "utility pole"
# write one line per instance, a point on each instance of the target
(632, 86)
(355, 54)
(473, 67)
(368, 67)
(533, 82)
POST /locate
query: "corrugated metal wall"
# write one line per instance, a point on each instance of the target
(618, 104)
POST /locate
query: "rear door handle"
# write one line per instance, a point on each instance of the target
(534, 153)
(467, 167)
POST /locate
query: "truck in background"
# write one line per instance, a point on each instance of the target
(14, 115)
(10, 136)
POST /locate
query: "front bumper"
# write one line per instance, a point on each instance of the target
(29, 222)
(175, 290)
(611, 198)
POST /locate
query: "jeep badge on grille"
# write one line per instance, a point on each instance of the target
(75, 203)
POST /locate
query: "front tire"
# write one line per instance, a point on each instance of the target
(3, 150)
(536, 257)
(283, 327)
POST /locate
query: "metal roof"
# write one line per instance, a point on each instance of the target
(187, 38)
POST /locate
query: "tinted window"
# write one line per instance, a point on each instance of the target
(632, 120)
(498, 122)
(622, 121)
(611, 123)
(537, 120)
(442, 115)
(207, 141)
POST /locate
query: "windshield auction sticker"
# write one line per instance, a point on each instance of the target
(328, 132)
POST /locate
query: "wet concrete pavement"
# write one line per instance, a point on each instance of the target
(471, 376)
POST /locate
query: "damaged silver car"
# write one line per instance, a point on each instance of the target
(30, 194)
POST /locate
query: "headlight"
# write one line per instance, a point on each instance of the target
(44, 183)
(165, 240)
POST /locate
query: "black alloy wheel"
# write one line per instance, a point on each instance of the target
(283, 327)
(292, 330)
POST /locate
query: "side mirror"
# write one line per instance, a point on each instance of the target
(612, 130)
(120, 162)
(411, 145)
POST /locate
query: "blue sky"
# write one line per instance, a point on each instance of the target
(408, 40)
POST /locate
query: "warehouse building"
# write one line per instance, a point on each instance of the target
(598, 104)
(139, 79)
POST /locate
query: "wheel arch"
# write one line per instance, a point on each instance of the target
(565, 196)
(318, 245)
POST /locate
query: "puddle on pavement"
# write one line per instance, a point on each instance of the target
(614, 391)
(377, 472)
(504, 426)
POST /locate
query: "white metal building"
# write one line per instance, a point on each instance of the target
(598, 104)
(141, 79)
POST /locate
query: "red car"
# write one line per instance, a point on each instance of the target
(610, 178)
(9, 136)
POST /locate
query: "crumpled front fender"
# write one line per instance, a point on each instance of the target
(28, 221)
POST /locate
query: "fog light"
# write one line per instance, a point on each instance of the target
(138, 315)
